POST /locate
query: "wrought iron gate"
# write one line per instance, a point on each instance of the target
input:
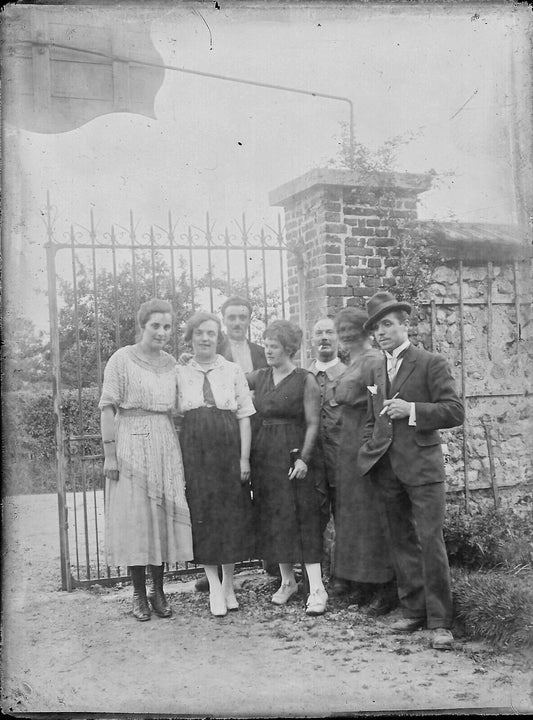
(96, 282)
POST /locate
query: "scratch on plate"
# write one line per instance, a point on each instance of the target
(464, 104)
(197, 12)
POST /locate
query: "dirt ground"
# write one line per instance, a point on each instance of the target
(83, 651)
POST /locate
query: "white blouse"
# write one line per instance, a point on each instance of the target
(228, 384)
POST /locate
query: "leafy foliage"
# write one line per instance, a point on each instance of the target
(495, 606)
(25, 353)
(488, 538)
(114, 302)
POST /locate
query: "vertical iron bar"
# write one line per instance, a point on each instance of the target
(191, 267)
(85, 521)
(433, 321)
(152, 261)
(494, 483)
(263, 268)
(133, 263)
(228, 271)
(96, 318)
(79, 383)
(489, 309)
(66, 579)
(281, 273)
(245, 251)
(463, 386)
(115, 288)
(209, 261)
(74, 500)
(517, 307)
(172, 280)
(93, 479)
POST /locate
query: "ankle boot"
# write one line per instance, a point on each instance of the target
(157, 597)
(140, 607)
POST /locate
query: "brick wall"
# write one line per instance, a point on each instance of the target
(343, 230)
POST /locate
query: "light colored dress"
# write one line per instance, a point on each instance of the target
(146, 513)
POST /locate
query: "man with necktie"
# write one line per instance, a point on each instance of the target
(411, 396)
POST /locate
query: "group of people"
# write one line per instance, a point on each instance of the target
(267, 451)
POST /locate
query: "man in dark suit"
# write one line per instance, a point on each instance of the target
(411, 396)
(235, 346)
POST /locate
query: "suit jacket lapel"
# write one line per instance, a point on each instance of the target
(381, 377)
(406, 368)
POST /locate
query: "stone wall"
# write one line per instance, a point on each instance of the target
(343, 229)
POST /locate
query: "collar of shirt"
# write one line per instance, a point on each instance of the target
(217, 362)
(323, 366)
(397, 350)
(238, 343)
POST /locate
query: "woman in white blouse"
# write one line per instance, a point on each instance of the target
(216, 404)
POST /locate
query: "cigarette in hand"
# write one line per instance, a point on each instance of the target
(385, 409)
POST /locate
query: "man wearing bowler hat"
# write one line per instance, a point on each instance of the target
(410, 397)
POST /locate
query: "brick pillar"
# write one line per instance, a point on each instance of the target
(341, 228)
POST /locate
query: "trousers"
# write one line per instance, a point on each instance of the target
(415, 515)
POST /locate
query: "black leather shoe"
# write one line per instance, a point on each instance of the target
(160, 604)
(338, 587)
(202, 584)
(407, 624)
(382, 604)
(141, 609)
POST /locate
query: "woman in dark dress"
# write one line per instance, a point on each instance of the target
(288, 504)
(362, 559)
(216, 403)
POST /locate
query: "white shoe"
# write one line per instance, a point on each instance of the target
(286, 591)
(316, 603)
(217, 604)
(231, 602)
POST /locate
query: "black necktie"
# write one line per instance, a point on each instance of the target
(209, 400)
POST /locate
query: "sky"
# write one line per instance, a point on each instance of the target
(440, 74)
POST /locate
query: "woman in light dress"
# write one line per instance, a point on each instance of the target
(146, 512)
(216, 404)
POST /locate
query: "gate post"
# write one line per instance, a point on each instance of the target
(51, 248)
(340, 227)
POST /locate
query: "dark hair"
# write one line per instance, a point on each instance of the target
(236, 300)
(286, 333)
(196, 320)
(155, 305)
(352, 315)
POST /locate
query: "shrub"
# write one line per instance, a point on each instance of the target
(488, 538)
(495, 606)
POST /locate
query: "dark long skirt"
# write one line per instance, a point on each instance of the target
(290, 514)
(220, 505)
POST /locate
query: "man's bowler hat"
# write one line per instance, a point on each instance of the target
(381, 304)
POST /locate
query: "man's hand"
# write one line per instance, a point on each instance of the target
(184, 358)
(396, 409)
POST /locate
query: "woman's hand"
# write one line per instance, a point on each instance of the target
(299, 470)
(184, 358)
(245, 470)
(111, 468)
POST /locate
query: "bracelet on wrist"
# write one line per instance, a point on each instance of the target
(107, 442)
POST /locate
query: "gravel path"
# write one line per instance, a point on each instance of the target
(83, 652)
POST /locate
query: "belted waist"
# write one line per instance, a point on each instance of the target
(139, 412)
(278, 421)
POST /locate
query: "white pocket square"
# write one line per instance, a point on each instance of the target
(372, 389)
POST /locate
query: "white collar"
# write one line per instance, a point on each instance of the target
(238, 342)
(323, 366)
(398, 350)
